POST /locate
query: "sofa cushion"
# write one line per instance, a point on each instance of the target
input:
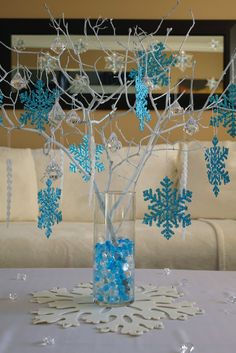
(75, 198)
(24, 197)
(204, 204)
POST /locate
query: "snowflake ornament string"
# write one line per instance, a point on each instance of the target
(37, 105)
(81, 154)
(215, 157)
(50, 214)
(168, 207)
(225, 110)
(152, 304)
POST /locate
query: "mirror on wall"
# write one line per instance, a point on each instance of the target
(206, 51)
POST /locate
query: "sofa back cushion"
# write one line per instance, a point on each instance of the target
(75, 197)
(204, 204)
(24, 196)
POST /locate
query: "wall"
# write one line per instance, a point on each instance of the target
(152, 9)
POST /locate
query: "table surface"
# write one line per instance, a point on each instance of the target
(213, 332)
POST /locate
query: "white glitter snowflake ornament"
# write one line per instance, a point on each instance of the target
(183, 60)
(79, 85)
(211, 83)
(114, 62)
(47, 62)
(19, 44)
(80, 46)
(214, 44)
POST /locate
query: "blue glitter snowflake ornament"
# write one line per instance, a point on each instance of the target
(225, 111)
(37, 105)
(168, 207)
(215, 157)
(49, 210)
(81, 154)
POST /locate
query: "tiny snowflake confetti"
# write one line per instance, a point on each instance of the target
(81, 154)
(225, 110)
(37, 105)
(49, 213)
(215, 157)
(114, 62)
(167, 207)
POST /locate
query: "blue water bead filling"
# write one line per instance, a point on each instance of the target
(114, 271)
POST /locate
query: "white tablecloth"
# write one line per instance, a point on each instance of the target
(213, 332)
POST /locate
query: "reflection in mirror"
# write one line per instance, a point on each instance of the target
(206, 51)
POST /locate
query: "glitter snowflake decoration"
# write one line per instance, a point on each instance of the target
(80, 84)
(82, 155)
(114, 62)
(168, 207)
(215, 157)
(37, 105)
(211, 83)
(225, 110)
(183, 61)
(48, 200)
(141, 89)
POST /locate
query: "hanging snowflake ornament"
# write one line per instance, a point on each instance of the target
(191, 127)
(225, 110)
(18, 82)
(19, 44)
(114, 62)
(80, 84)
(152, 304)
(211, 83)
(215, 157)
(47, 62)
(58, 46)
(82, 155)
(50, 214)
(167, 207)
(80, 46)
(37, 105)
(113, 143)
(183, 60)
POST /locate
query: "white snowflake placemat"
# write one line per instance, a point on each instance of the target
(152, 304)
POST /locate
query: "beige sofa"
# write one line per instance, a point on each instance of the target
(210, 242)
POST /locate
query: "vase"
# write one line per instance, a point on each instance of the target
(114, 245)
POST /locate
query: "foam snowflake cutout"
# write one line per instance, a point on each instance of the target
(82, 155)
(168, 207)
(48, 200)
(152, 304)
(225, 110)
(37, 105)
(215, 157)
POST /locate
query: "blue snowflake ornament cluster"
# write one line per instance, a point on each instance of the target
(215, 157)
(81, 154)
(225, 110)
(37, 105)
(50, 214)
(167, 207)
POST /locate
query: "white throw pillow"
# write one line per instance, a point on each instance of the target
(24, 197)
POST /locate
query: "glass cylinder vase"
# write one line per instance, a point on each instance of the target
(114, 236)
